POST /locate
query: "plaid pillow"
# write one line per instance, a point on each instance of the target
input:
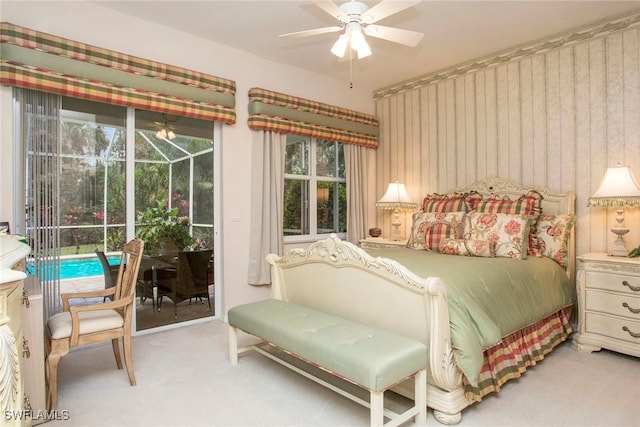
(453, 202)
(429, 228)
(529, 204)
(444, 203)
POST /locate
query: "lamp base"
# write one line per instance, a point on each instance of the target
(396, 234)
(618, 247)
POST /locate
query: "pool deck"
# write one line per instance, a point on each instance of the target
(84, 284)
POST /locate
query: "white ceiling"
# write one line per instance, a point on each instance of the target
(455, 31)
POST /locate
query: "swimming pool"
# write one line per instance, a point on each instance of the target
(77, 268)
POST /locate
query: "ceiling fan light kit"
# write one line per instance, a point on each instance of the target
(355, 19)
(352, 37)
(165, 131)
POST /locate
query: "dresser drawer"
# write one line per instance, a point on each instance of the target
(617, 304)
(14, 310)
(617, 328)
(613, 282)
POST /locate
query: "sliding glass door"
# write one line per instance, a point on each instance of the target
(174, 204)
(93, 207)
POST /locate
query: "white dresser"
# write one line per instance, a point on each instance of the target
(12, 398)
(608, 304)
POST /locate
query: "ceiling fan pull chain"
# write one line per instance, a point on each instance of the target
(350, 69)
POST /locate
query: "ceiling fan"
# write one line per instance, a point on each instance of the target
(357, 19)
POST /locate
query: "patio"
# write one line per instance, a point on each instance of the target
(146, 316)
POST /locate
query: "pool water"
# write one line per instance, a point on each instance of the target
(79, 268)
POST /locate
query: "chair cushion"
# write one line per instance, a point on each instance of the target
(90, 321)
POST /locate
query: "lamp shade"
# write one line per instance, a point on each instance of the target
(618, 188)
(339, 48)
(396, 197)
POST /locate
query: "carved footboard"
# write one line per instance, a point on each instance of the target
(339, 278)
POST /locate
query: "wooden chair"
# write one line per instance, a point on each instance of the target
(78, 325)
(189, 280)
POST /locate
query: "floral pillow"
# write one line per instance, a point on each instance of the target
(483, 248)
(429, 228)
(509, 232)
(529, 204)
(553, 233)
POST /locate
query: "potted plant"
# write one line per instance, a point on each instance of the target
(163, 230)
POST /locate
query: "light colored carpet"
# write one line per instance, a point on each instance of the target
(184, 379)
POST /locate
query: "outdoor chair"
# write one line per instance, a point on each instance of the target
(190, 280)
(110, 271)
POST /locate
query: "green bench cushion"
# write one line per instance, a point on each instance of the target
(372, 358)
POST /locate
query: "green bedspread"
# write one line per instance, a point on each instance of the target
(489, 298)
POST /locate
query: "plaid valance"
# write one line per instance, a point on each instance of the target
(35, 60)
(277, 112)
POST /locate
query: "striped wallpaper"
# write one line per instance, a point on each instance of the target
(555, 113)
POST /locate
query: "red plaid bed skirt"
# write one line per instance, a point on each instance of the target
(515, 353)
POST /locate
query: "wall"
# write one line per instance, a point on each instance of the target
(555, 113)
(99, 26)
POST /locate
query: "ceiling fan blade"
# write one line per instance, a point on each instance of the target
(386, 8)
(331, 8)
(314, 32)
(396, 35)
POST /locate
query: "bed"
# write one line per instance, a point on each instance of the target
(487, 304)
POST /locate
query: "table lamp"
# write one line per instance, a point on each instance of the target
(396, 198)
(618, 188)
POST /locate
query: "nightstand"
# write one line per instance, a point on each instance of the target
(608, 304)
(380, 243)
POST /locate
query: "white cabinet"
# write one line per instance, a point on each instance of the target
(33, 360)
(11, 391)
(12, 351)
(608, 304)
(380, 243)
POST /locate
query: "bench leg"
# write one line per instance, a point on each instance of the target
(377, 408)
(421, 397)
(233, 345)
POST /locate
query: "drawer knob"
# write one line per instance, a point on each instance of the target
(633, 334)
(25, 298)
(633, 288)
(26, 352)
(631, 309)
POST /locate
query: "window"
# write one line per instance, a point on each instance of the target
(315, 189)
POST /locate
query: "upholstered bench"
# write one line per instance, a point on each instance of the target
(371, 358)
